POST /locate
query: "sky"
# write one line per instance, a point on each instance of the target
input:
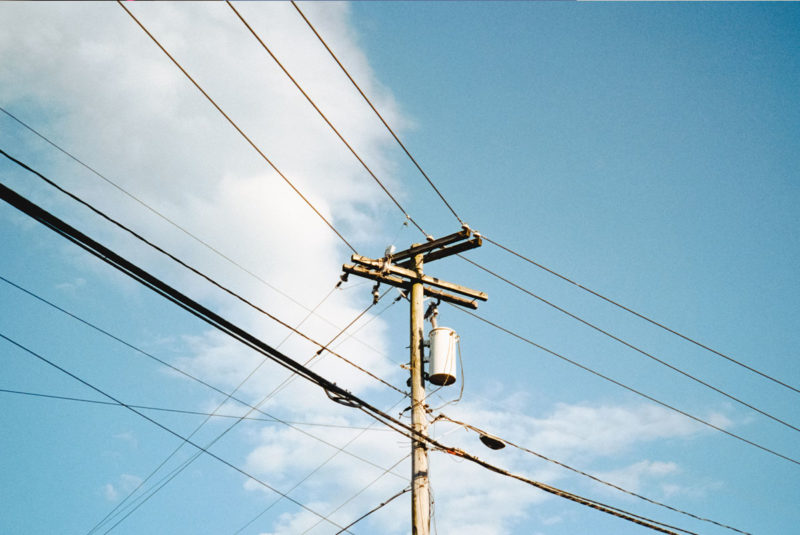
(648, 152)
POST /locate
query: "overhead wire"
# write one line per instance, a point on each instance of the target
(334, 392)
(585, 474)
(630, 389)
(631, 346)
(239, 130)
(374, 509)
(374, 109)
(180, 262)
(357, 494)
(327, 121)
(182, 372)
(314, 471)
(642, 316)
(160, 425)
(187, 411)
(149, 493)
(147, 354)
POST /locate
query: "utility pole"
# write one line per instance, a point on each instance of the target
(404, 270)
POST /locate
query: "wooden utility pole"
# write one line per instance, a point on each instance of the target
(420, 491)
(404, 270)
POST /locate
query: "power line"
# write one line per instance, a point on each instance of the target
(325, 118)
(159, 424)
(156, 359)
(354, 496)
(614, 511)
(167, 479)
(194, 270)
(186, 411)
(164, 217)
(160, 485)
(333, 391)
(232, 123)
(641, 316)
(314, 471)
(631, 346)
(628, 388)
(380, 505)
(369, 102)
(594, 478)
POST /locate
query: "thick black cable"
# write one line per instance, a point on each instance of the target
(628, 388)
(590, 476)
(232, 123)
(369, 102)
(640, 315)
(382, 504)
(630, 346)
(327, 121)
(333, 391)
(162, 426)
(194, 270)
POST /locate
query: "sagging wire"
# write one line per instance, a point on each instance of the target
(493, 441)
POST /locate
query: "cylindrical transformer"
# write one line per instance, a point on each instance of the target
(442, 366)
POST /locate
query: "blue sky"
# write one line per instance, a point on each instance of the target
(646, 151)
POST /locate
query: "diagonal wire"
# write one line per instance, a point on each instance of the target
(597, 479)
(123, 503)
(628, 388)
(365, 515)
(519, 255)
(325, 118)
(641, 316)
(175, 472)
(239, 130)
(183, 411)
(164, 217)
(354, 496)
(369, 102)
(159, 424)
(630, 346)
(310, 474)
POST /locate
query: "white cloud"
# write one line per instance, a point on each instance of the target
(125, 484)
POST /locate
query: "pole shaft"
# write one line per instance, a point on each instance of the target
(420, 491)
